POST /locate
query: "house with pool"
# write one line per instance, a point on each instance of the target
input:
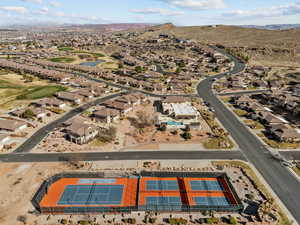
(179, 114)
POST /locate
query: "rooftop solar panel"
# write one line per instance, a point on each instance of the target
(205, 185)
(92, 195)
(155, 185)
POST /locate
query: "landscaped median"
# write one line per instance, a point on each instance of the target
(270, 205)
(220, 138)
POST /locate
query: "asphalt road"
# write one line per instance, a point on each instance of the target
(278, 177)
(39, 135)
(243, 93)
(123, 87)
(129, 155)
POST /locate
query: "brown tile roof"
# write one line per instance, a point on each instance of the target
(11, 125)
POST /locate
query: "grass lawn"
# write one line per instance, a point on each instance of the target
(240, 112)
(215, 143)
(90, 53)
(98, 55)
(3, 72)
(297, 169)
(8, 85)
(40, 92)
(62, 59)
(97, 143)
(225, 99)
(65, 49)
(254, 124)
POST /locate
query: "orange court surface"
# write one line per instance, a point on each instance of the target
(138, 193)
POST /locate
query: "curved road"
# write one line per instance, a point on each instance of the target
(39, 135)
(278, 177)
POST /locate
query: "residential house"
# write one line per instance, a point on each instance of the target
(81, 133)
(50, 102)
(4, 139)
(287, 135)
(124, 108)
(269, 119)
(12, 125)
(105, 115)
(70, 97)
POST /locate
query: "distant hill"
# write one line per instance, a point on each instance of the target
(266, 47)
(115, 26)
(274, 26)
(81, 27)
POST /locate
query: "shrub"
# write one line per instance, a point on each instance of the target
(163, 128)
(186, 135)
(177, 221)
(63, 221)
(57, 110)
(28, 114)
(152, 220)
(212, 220)
(132, 220)
(232, 220)
(22, 219)
(83, 222)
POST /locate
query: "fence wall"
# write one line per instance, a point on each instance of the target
(158, 208)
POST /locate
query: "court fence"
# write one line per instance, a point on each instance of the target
(43, 189)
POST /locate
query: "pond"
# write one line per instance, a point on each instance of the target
(92, 63)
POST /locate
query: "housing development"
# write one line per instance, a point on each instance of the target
(149, 124)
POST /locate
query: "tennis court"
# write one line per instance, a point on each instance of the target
(92, 195)
(164, 203)
(206, 185)
(96, 181)
(156, 185)
(211, 201)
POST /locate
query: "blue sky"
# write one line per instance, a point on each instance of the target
(179, 12)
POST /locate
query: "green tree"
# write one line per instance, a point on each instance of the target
(178, 70)
(181, 64)
(163, 128)
(232, 220)
(138, 69)
(186, 135)
(28, 114)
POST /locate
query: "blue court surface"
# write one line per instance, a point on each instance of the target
(92, 195)
(206, 185)
(211, 201)
(163, 203)
(97, 181)
(163, 200)
(156, 185)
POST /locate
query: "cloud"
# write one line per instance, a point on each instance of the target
(55, 4)
(43, 11)
(275, 11)
(34, 1)
(14, 9)
(196, 4)
(157, 11)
